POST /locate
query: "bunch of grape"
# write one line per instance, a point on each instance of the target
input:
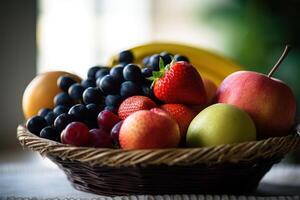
(92, 105)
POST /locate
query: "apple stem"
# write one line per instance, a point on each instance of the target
(282, 57)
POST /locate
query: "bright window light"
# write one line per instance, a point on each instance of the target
(74, 35)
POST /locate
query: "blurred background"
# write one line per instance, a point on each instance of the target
(73, 35)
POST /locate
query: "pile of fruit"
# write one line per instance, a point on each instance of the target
(162, 103)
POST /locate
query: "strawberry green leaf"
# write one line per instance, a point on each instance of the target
(158, 74)
(151, 78)
(161, 64)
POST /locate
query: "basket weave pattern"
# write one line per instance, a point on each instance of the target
(235, 168)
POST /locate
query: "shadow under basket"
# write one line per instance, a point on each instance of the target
(226, 169)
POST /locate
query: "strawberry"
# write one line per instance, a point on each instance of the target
(179, 82)
(182, 114)
(133, 104)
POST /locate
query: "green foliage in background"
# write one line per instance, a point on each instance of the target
(255, 33)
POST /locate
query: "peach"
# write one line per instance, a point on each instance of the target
(146, 129)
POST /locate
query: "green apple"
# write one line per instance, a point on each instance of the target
(220, 124)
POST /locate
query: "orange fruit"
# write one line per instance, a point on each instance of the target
(41, 91)
(210, 88)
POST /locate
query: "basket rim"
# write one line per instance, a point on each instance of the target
(271, 148)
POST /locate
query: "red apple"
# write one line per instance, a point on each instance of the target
(269, 101)
(147, 130)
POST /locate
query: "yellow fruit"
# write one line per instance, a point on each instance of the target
(210, 65)
(41, 91)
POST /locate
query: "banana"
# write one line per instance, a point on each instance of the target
(208, 64)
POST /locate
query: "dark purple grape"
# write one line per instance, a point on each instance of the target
(50, 117)
(167, 57)
(109, 85)
(101, 73)
(112, 109)
(129, 88)
(50, 133)
(113, 100)
(88, 83)
(36, 124)
(64, 99)
(76, 91)
(147, 91)
(154, 62)
(117, 73)
(147, 72)
(178, 57)
(93, 95)
(64, 82)
(93, 110)
(91, 74)
(44, 111)
(146, 61)
(60, 109)
(79, 111)
(132, 72)
(126, 56)
(63, 120)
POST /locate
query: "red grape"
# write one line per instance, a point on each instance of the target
(114, 133)
(62, 137)
(77, 134)
(107, 119)
(100, 137)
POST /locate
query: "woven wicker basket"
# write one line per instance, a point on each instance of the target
(227, 169)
